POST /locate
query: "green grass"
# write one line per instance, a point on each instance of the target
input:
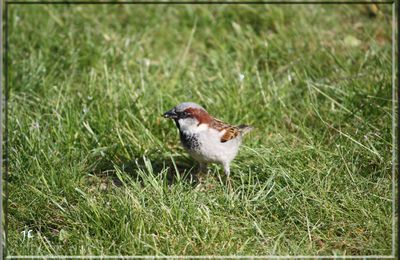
(95, 170)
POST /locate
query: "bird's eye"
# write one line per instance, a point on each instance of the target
(183, 114)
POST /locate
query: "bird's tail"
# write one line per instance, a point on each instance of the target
(244, 129)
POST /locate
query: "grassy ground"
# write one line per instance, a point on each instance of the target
(95, 170)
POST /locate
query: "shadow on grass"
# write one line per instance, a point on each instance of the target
(167, 170)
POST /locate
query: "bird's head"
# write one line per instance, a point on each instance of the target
(188, 115)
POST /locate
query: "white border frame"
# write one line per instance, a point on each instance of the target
(394, 155)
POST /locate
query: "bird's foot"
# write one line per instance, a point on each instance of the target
(200, 177)
(203, 183)
(201, 174)
(228, 182)
(204, 186)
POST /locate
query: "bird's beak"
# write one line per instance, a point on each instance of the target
(170, 114)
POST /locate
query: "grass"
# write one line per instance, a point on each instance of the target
(95, 170)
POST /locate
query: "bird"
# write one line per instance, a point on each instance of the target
(205, 138)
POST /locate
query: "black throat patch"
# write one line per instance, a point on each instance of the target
(189, 141)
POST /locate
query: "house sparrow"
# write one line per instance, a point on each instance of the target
(205, 138)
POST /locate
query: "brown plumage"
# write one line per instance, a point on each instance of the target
(230, 131)
(204, 118)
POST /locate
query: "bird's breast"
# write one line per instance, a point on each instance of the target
(190, 140)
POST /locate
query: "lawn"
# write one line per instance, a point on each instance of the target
(95, 170)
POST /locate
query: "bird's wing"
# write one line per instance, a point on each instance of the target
(230, 131)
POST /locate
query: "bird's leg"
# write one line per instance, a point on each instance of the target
(201, 172)
(227, 175)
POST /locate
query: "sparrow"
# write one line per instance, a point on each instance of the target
(205, 138)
